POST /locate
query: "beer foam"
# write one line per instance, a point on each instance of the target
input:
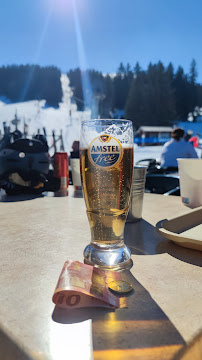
(123, 133)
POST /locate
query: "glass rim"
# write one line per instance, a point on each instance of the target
(107, 120)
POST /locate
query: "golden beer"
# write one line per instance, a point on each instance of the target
(107, 194)
(106, 156)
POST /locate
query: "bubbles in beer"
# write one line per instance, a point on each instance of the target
(106, 193)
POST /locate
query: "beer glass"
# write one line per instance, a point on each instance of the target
(106, 154)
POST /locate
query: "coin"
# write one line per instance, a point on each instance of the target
(120, 287)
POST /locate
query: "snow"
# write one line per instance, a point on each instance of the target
(147, 152)
(37, 115)
(66, 118)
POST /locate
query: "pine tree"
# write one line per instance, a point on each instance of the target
(137, 68)
(121, 70)
(135, 106)
(76, 84)
(121, 86)
(193, 72)
(181, 88)
(192, 85)
(107, 103)
(151, 98)
(170, 72)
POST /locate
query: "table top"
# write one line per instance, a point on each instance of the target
(38, 234)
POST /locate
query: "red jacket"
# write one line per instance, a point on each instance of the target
(194, 140)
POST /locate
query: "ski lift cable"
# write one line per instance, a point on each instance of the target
(76, 98)
(100, 97)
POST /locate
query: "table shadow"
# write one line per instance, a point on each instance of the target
(187, 255)
(143, 239)
(142, 330)
(143, 325)
(20, 197)
(9, 348)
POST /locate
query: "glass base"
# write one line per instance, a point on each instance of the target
(116, 258)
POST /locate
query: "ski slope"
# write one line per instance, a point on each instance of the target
(66, 118)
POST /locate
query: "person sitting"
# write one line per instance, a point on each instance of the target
(75, 150)
(177, 147)
(74, 154)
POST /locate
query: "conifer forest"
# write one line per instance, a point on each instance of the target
(157, 95)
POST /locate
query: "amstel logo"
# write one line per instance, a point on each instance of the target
(105, 151)
(105, 138)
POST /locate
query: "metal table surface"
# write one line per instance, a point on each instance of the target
(38, 234)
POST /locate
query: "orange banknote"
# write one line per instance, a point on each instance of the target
(82, 285)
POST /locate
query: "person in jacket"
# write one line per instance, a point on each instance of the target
(177, 147)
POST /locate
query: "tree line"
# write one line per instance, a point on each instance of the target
(31, 82)
(155, 96)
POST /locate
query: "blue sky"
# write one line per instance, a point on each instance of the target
(108, 32)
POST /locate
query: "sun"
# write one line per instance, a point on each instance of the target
(65, 7)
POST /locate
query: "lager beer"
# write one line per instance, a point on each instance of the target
(106, 157)
(107, 195)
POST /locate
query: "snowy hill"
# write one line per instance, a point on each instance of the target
(36, 115)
